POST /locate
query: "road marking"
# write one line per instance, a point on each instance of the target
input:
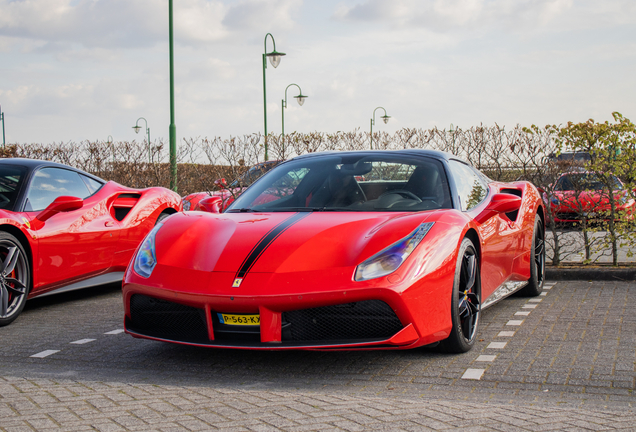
(45, 353)
(514, 322)
(535, 300)
(529, 306)
(497, 345)
(522, 313)
(82, 341)
(486, 358)
(506, 334)
(543, 294)
(474, 374)
(114, 332)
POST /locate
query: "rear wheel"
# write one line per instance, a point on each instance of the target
(161, 217)
(465, 301)
(537, 261)
(15, 276)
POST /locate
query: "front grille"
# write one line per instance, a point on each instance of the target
(166, 320)
(369, 319)
(568, 216)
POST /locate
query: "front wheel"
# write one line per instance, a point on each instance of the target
(537, 261)
(15, 276)
(465, 302)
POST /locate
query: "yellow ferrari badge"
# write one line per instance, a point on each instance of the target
(26, 222)
(237, 282)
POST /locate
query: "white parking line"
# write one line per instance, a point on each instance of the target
(529, 306)
(486, 358)
(543, 294)
(82, 341)
(506, 334)
(522, 313)
(497, 345)
(114, 332)
(473, 374)
(535, 300)
(45, 353)
(514, 322)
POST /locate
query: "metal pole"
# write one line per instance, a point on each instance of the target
(4, 144)
(265, 98)
(384, 117)
(372, 131)
(283, 105)
(149, 149)
(173, 127)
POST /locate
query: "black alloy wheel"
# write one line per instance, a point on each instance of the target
(14, 278)
(465, 303)
(537, 262)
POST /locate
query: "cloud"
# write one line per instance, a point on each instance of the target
(262, 15)
(513, 15)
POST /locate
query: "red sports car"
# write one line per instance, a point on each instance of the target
(227, 193)
(62, 229)
(341, 250)
(583, 193)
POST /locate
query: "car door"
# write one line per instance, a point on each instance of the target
(76, 244)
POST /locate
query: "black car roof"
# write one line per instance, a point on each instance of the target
(32, 164)
(435, 154)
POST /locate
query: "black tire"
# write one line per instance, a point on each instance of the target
(15, 278)
(465, 301)
(537, 261)
(161, 217)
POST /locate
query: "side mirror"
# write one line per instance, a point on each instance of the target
(221, 183)
(61, 204)
(500, 203)
(211, 204)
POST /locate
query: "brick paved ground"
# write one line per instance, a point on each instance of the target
(568, 365)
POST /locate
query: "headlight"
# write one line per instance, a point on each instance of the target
(146, 259)
(555, 201)
(186, 205)
(390, 259)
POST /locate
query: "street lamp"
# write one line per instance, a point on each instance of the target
(136, 127)
(385, 118)
(274, 58)
(300, 98)
(109, 141)
(2, 119)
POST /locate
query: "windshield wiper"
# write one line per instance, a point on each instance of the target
(243, 210)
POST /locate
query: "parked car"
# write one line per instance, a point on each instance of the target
(226, 193)
(63, 229)
(341, 250)
(578, 194)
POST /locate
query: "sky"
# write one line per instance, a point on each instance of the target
(74, 70)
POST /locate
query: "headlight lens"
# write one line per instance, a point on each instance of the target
(146, 259)
(186, 205)
(390, 259)
(555, 200)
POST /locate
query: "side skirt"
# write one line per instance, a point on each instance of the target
(94, 281)
(504, 290)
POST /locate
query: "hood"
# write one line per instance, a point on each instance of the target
(584, 200)
(279, 242)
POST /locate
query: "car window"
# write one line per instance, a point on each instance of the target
(363, 183)
(471, 188)
(11, 178)
(585, 181)
(92, 184)
(50, 183)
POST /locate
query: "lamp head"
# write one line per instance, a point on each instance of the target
(137, 128)
(274, 58)
(301, 99)
(385, 118)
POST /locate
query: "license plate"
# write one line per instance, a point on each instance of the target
(235, 319)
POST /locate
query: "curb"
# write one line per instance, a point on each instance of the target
(595, 273)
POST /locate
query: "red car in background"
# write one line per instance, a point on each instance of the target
(341, 250)
(578, 194)
(63, 229)
(226, 193)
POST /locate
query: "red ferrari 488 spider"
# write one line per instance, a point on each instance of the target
(62, 229)
(341, 250)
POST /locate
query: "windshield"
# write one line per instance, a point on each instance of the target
(349, 183)
(253, 174)
(11, 178)
(585, 181)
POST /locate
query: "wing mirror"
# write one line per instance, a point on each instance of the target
(221, 183)
(60, 205)
(500, 203)
(211, 204)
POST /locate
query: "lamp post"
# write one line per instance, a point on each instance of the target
(452, 132)
(300, 98)
(4, 144)
(385, 118)
(110, 142)
(274, 58)
(136, 127)
(173, 127)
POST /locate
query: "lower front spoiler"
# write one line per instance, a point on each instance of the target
(404, 339)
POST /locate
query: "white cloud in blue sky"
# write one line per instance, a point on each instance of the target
(86, 69)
